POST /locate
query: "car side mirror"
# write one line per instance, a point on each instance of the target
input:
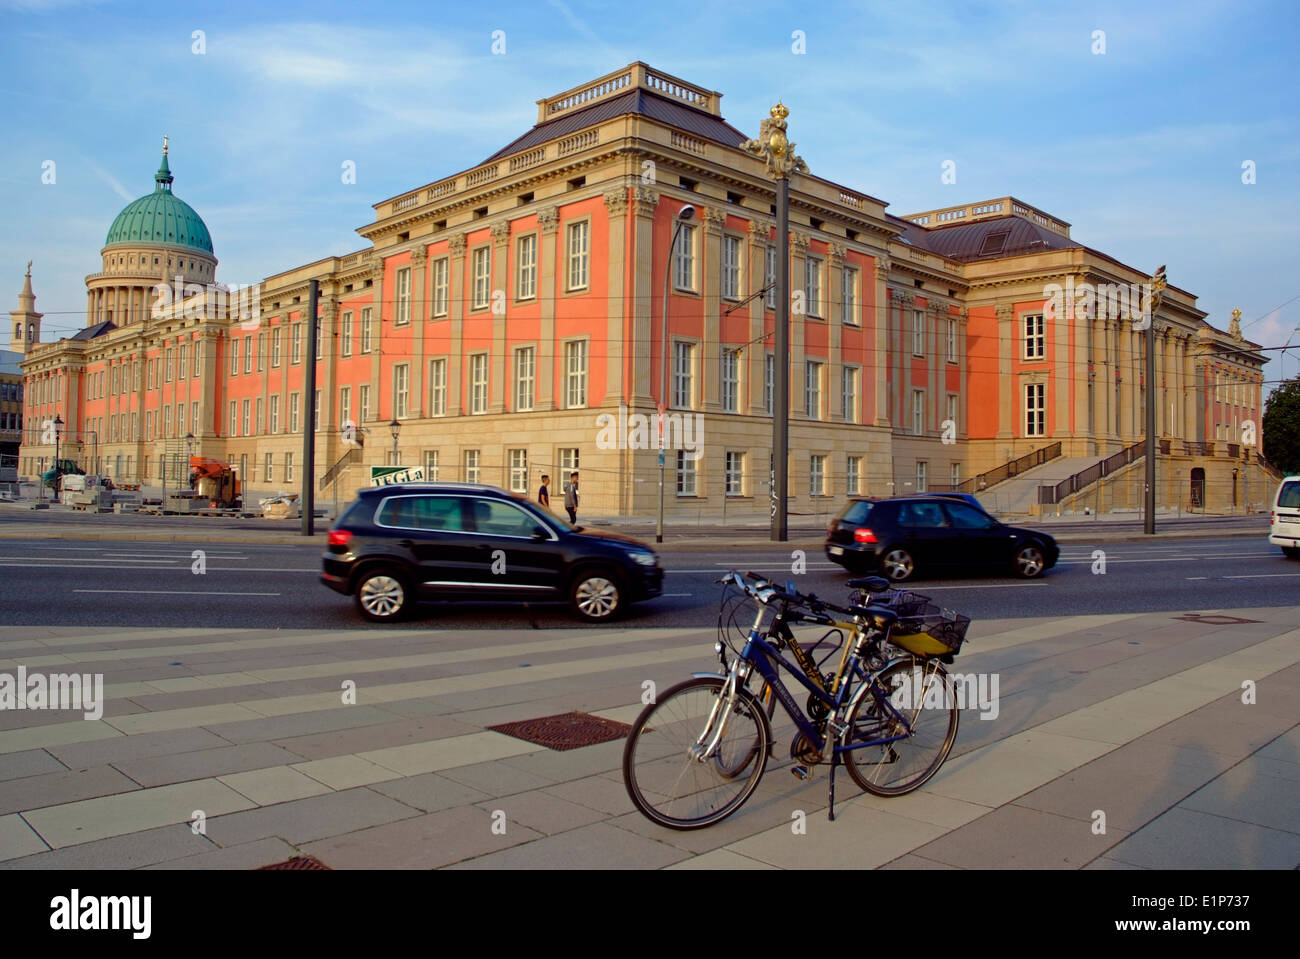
(539, 534)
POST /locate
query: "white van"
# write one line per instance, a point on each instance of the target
(1285, 528)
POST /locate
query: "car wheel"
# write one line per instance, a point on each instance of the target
(1291, 552)
(897, 564)
(596, 595)
(382, 595)
(1029, 562)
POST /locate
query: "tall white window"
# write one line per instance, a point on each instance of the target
(952, 340)
(812, 285)
(167, 421)
(401, 391)
(579, 247)
(816, 475)
(345, 335)
(437, 387)
(295, 343)
(918, 412)
(295, 403)
(568, 461)
(248, 355)
(471, 466)
(730, 379)
(769, 278)
(482, 265)
(519, 471)
(234, 356)
(849, 296)
(478, 383)
(403, 315)
(575, 374)
(1035, 337)
(363, 404)
(232, 425)
(366, 317)
(268, 468)
(769, 382)
(731, 252)
(288, 467)
(525, 377)
(320, 342)
(853, 476)
(849, 393)
(735, 474)
(684, 260)
(261, 352)
(683, 376)
(526, 255)
(245, 418)
(345, 408)
(813, 390)
(183, 369)
(918, 333)
(431, 466)
(441, 291)
(952, 410)
(1036, 409)
(922, 475)
(954, 474)
(686, 473)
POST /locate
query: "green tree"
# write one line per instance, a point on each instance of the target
(1281, 427)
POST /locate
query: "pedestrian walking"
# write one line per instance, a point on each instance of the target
(544, 494)
(571, 497)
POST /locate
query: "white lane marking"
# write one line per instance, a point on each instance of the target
(1196, 577)
(1261, 575)
(173, 592)
(665, 595)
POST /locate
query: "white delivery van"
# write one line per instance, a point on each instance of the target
(1284, 530)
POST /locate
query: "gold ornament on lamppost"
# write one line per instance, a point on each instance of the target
(773, 146)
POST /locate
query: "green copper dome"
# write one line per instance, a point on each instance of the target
(160, 218)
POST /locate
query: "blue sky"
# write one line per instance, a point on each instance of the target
(1140, 148)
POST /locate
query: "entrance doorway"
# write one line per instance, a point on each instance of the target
(1198, 488)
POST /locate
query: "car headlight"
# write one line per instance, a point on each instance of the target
(644, 558)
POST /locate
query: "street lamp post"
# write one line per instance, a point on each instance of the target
(685, 213)
(58, 475)
(395, 428)
(773, 147)
(1158, 284)
(189, 455)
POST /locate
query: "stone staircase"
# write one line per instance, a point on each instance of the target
(1017, 496)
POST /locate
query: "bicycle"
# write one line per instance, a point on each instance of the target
(685, 777)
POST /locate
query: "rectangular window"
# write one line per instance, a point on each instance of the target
(471, 466)
(167, 421)
(568, 462)
(275, 414)
(320, 342)
(525, 378)
(194, 415)
(952, 411)
(769, 278)
(295, 343)
(275, 347)
(684, 260)
(295, 401)
(288, 467)
(232, 425)
(431, 466)
(261, 352)
(853, 476)
(441, 291)
(526, 258)
(345, 335)
(816, 475)
(918, 333)
(316, 412)
(575, 374)
(813, 285)
(769, 382)
(248, 354)
(184, 369)
(685, 473)
(731, 252)
(258, 424)
(345, 408)
(401, 390)
(1036, 409)
(952, 341)
(518, 471)
(366, 316)
(849, 296)
(735, 474)
(579, 235)
(478, 383)
(849, 394)
(167, 371)
(683, 375)
(403, 314)
(245, 417)
(954, 474)
(437, 387)
(730, 379)
(363, 404)
(813, 390)
(922, 470)
(181, 410)
(482, 262)
(1035, 337)
(268, 469)
(918, 412)
(234, 356)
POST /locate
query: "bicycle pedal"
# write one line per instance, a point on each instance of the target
(801, 773)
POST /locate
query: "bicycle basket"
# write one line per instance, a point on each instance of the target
(930, 631)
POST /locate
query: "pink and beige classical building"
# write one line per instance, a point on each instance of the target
(509, 317)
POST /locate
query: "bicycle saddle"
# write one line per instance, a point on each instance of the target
(880, 617)
(872, 584)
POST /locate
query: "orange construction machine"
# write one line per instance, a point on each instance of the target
(215, 481)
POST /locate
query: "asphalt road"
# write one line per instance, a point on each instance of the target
(134, 583)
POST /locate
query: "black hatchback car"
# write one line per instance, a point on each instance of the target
(896, 537)
(397, 545)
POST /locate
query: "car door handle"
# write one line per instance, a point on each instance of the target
(406, 543)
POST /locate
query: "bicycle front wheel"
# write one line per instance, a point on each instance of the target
(671, 775)
(912, 704)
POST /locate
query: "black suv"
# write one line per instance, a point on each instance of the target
(898, 536)
(396, 545)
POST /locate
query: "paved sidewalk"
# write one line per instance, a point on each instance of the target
(1134, 721)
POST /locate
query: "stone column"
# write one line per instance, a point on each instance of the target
(934, 360)
(760, 233)
(328, 373)
(616, 327)
(799, 244)
(711, 286)
(1006, 385)
(548, 218)
(645, 325)
(881, 319)
(419, 318)
(456, 244)
(835, 330)
(376, 263)
(500, 284)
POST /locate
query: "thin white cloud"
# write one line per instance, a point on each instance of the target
(112, 181)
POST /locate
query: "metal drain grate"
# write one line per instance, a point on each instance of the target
(298, 862)
(565, 731)
(1216, 619)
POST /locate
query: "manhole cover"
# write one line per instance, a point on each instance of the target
(1214, 619)
(298, 862)
(565, 731)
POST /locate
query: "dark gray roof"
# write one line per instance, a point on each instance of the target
(99, 329)
(9, 360)
(641, 102)
(984, 239)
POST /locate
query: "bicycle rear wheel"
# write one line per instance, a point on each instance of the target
(666, 781)
(926, 722)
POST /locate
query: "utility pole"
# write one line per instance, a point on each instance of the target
(1158, 285)
(309, 401)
